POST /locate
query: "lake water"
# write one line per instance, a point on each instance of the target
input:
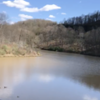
(53, 76)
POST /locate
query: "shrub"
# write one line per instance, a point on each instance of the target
(56, 49)
(2, 52)
(4, 47)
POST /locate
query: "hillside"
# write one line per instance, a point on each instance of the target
(78, 34)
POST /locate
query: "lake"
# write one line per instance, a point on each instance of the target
(53, 76)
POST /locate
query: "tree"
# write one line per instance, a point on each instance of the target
(3, 18)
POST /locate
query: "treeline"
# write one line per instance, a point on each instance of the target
(88, 22)
(77, 34)
(90, 25)
(24, 32)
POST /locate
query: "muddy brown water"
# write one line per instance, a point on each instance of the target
(53, 76)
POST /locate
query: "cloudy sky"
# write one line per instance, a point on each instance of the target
(55, 10)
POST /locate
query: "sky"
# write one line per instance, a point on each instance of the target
(55, 10)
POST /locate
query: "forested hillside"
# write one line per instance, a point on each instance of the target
(77, 34)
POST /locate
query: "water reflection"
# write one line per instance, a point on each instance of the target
(13, 71)
(54, 76)
(86, 97)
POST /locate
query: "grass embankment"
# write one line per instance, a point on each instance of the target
(16, 51)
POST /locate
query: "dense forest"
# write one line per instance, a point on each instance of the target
(78, 34)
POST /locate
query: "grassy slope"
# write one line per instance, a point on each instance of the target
(14, 50)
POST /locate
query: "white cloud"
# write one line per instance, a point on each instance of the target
(45, 8)
(25, 17)
(49, 7)
(63, 13)
(16, 3)
(26, 9)
(51, 16)
(23, 6)
(86, 97)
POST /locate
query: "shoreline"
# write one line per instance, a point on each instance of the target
(13, 50)
(82, 53)
(19, 56)
(26, 55)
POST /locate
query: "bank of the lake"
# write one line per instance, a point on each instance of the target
(89, 52)
(13, 50)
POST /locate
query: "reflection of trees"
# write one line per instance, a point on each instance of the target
(85, 70)
(13, 71)
(91, 81)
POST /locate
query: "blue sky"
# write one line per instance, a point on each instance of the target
(55, 10)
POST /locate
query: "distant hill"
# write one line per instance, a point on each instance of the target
(77, 34)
